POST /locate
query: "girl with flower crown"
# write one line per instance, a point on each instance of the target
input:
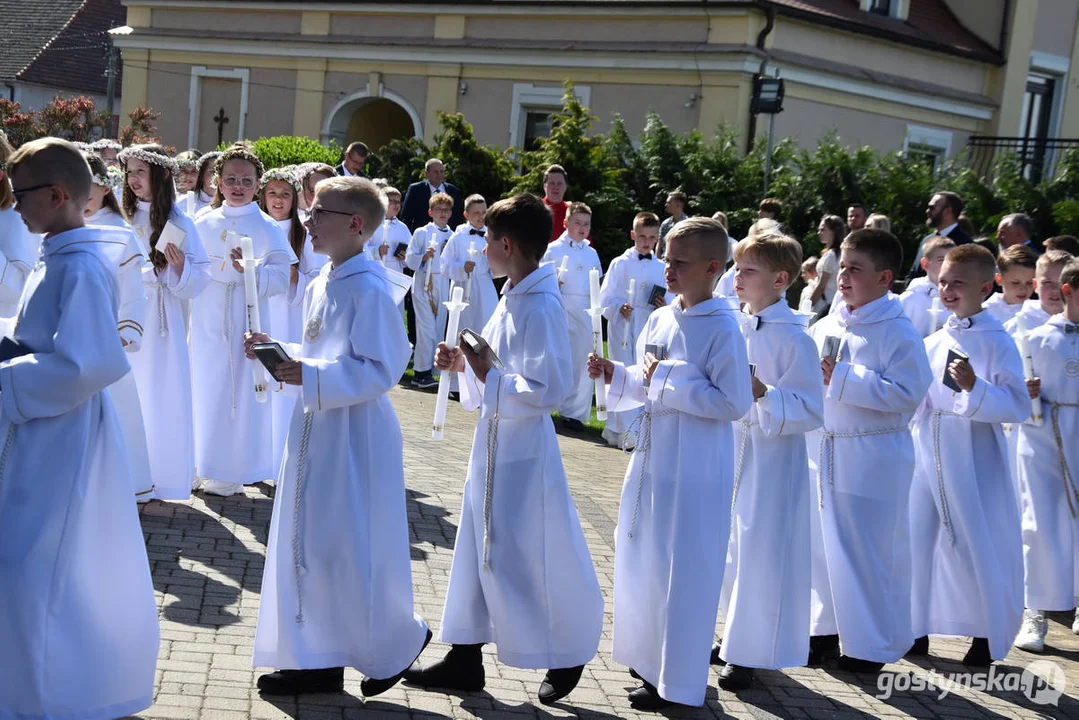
(18, 247)
(204, 183)
(171, 275)
(102, 209)
(279, 198)
(233, 435)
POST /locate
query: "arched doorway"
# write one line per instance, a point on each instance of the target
(373, 120)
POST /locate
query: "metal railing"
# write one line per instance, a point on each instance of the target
(1037, 156)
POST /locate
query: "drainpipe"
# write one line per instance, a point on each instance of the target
(1004, 28)
(751, 133)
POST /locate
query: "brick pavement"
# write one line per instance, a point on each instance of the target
(207, 559)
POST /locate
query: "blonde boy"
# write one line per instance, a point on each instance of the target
(464, 262)
(921, 300)
(430, 287)
(1016, 267)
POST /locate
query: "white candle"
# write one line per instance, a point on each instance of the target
(191, 203)
(455, 306)
(1028, 365)
(596, 311)
(429, 283)
(629, 320)
(468, 280)
(935, 309)
(563, 267)
(385, 242)
(254, 325)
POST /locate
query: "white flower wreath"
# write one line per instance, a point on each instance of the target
(283, 174)
(112, 179)
(105, 144)
(148, 157)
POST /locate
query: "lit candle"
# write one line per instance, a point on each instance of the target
(455, 306)
(629, 320)
(596, 311)
(253, 323)
(1028, 365)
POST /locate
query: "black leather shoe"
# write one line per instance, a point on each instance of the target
(370, 687)
(634, 674)
(978, 654)
(920, 648)
(647, 697)
(857, 665)
(299, 682)
(461, 669)
(714, 658)
(735, 677)
(822, 648)
(559, 683)
(572, 424)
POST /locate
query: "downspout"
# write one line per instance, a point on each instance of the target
(751, 133)
(1004, 28)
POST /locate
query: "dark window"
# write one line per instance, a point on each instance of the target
(881, 7)
(537, 125)
(1034, 126)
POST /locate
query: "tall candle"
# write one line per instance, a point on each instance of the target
(596, 311)
(629, 320)
(191, 203)
(254, 325)
(468, 280)
(1028, 365)
(455, 306)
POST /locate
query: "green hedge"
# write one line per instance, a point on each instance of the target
(619, 176)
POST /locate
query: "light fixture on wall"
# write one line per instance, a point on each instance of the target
(693, 98)
(464, 88)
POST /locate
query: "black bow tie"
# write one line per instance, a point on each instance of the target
(474, 231)
(644, 256)
(1069, 329)
(445, 229)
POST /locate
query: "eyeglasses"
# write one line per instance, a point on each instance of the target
(246, 182)
(317, 213)
(26, 191)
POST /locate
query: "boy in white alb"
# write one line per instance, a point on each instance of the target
(18, 246)
(463, 258)
(766, 582)
(78, 620)
(921, 299)
(390, 236)
(639, 270)
(430, 287)
(1016, 267)
(338, 583)
(1036, 313)
(966, 560)
(693, 378)
(876, 373)
(574, 257)
(1049, 461)
(233, 430)
(522, 576)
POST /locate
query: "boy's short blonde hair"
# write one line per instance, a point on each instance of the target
(391, 192)
(974, 256)
(1070, 274)
(1017, 256)
(645, 220)
(361, 196)
(440, 199)
(778, 252)
(54, 161)
(936, 244)
(474, 199)
(706, 233)
(576, 208)
(877, 221)
(1051, 259)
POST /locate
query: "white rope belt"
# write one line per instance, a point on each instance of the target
(742, 445)
(945, 514)
(162, 319)
(643, 422)
(489, 478)
(827, 442)
(1065, 471)
(226, 334)
(297, 509)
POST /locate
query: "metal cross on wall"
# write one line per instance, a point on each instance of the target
(220, 119)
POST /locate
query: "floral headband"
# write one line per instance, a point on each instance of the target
(188, 163)
(284, 174)
(237, 152)
(105, 144)
(112, 179)
(148, 157)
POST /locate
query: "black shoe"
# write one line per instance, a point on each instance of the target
(559, 683)
(455, 396)
(571, 424)
(370, 687)
(647, 698)
(425, 381)
(461, 669)
(714, 658)
(822, 648)
(635, 675)
(978, 654)
(735, 677)
(857, 665)
(920, 648)
(299, 682)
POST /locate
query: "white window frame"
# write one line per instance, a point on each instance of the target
(898, 10)
(929, 137)
(527, 96)
(1057, 67)
(195, 98)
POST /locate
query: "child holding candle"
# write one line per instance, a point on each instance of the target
(692, 377)
(966, 558)
(573, 253)
(1049, 455)
(463, 262)
(233, 430)
(921, 299)
(430, 287)
(1015, 276)
(627, 289)
(522, 576)
(337, 589)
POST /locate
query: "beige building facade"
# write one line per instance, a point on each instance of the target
(920, 75)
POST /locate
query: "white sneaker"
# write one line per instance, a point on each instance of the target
(613, 439)
(1075, 622)
(224, 489)
(1032, 634)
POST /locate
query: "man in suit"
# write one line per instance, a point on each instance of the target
(354, 162)
(414, 208)
(1016, 229)
(942, 215)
